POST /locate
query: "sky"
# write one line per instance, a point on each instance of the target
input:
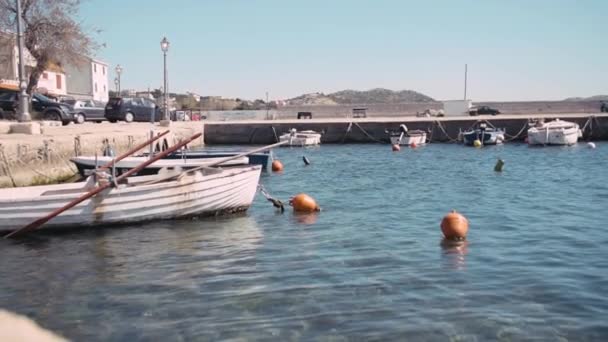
(514, 49)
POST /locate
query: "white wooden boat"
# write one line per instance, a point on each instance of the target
(556, 132)
(84, 163)
(301, 138)
(211, 191)
(406, 137)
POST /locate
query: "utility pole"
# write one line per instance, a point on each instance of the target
(465, 82)
(24, 114)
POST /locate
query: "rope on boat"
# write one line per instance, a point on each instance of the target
(368, 135)
(275, 202)
(274, 131)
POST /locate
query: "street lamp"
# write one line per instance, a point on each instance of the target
(164, 45)
(118, 72)
(116, 84)
(24, 114)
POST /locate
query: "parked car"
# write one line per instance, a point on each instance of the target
(87, 110)
(483, 110)
(131, 109)
(42, 107)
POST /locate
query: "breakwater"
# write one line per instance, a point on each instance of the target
(367, 130)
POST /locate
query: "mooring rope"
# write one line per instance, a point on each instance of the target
(368, 135)
(348, 129)
(275, 202)
(513, 137)
(450, 139)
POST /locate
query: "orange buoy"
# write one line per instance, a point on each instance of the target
(277, 166)
(304, 203)
(454, 226)
(413, 145)
(396, 147)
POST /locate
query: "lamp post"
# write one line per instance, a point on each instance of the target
(116, 85)
(24, 114)
(164, 45)
(118, 72)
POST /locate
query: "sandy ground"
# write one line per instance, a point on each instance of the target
(30, 159)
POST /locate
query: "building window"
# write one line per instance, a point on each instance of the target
(94, 67)
(95, 86)
(45, 76)
(58, 81)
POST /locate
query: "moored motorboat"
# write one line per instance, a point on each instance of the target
(556, 132)
(406, 137)
(209, 191)
(484, 134)
(84, 163)
(301, 138)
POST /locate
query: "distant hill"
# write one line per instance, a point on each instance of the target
(591, 98)
(378, 95)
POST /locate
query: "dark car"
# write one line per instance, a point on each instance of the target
(42, 106)
(131, 109)
(483, 110)
(87, 110)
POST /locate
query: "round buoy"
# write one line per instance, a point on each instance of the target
(304, 203)
(396, 147)
(454, 226)
(591, 144)
(477, 143)
(413, 145)
(277, 166)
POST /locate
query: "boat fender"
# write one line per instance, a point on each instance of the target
(413, 145)
(304, 203)
(591, 144)
(396, 148)
(499, 164)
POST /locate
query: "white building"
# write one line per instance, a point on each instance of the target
(52, 81)
(88, 81)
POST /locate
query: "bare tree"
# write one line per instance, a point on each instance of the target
(50, 33)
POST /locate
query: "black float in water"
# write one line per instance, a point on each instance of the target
(306, 161)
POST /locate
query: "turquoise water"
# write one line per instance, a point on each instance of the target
(370, 266)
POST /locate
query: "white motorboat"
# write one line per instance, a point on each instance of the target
(84, 163)
(556, 132)
(210, 191)
(406, 137)
(301, 138)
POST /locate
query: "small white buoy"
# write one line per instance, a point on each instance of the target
(591, 145)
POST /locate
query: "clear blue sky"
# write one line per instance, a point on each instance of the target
(515, 49)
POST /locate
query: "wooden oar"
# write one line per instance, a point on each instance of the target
(36, 224)
(133, 150)
(219, 162)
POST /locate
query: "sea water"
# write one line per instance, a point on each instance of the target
(369, 266)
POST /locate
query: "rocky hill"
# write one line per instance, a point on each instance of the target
(378, 95)
(591, 98)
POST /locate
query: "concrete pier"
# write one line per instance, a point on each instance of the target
(366, 130)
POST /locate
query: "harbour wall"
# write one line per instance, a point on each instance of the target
(402, 109)
(370, 130)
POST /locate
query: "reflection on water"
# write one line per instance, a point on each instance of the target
(370, 266)
(454, 253)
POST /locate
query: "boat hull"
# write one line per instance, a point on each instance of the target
(560, 136)
(304, 138)
(412, 137)
(254, 158)
(486, 137)
(211, 192)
